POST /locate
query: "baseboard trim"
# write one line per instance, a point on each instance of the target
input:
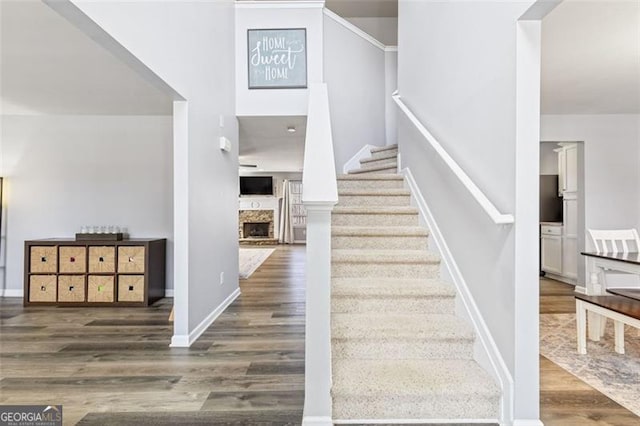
(168, 292)
(11, 292)
(493, 357)
(354, 162)
(316, 421)
(184, 341)
(414, 421)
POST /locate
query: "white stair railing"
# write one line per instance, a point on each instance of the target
(319, 195)
(491, 210)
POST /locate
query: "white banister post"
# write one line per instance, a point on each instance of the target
(319, 195)
(317, 382)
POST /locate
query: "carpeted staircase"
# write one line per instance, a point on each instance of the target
(398, 350)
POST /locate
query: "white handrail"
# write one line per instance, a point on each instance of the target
(497, 217)
(319, 173)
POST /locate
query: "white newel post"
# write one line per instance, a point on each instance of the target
(319, 195)
(317, 399)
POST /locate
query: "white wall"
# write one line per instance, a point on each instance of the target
(191, 47)
(64, 172)
(391, 84)
(548, 159)
(612, 164)
(383, 29)
(273, 15)
(457, 73)
(355, 75)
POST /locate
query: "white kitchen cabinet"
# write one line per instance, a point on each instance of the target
(551, 249)
(567, 168)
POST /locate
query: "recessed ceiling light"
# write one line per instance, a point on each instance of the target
(291, 129)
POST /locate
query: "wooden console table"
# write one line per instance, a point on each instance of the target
(67, 272)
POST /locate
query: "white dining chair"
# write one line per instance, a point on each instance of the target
(615, 240)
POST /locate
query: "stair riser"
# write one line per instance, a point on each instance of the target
(391, 162)
(374, 200)
(369, 184)
(391, 270)
(387, 242)
(436, 407)
(341, 219)
(384, 154)
(419, 305)
(386, 171)
(401, 349)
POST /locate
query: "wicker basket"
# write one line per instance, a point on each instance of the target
(42, 288)
(100, 288)
(102, 259)
(131, 288)
(73, 260)
(131, 259)
(44, 259)
(71, 288)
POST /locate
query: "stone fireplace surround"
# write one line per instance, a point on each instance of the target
(255, 216)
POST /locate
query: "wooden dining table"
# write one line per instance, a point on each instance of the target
(622, 304)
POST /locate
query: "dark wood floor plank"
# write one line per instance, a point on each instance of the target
(229, 418)
(115, 366)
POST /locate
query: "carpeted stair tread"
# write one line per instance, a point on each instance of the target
(395, 326)
(379, 231)
(375, 210)
(369, 288)
(383, 155)
(390, 176)
(376, 168)
(411, 378)
(376, 192)
(384, 148)
(383, 256)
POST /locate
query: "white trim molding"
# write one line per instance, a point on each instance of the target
(282, 4)
(184, 341)
(357, 31)
(354, 162)
(493, 357)
(11, 292)
(316, 421)
(168, 292)
(491, 210)
(391, 48)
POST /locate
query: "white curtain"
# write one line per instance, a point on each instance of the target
(286, 227)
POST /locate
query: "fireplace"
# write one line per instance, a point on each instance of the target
(255, 229)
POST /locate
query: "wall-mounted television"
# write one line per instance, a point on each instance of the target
(256, 185)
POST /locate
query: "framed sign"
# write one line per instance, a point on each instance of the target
(277, 58)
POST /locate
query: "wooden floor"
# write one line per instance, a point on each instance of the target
(113, 366)
(564, 399)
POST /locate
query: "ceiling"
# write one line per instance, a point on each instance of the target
(51, 67)
(591, 58)
(265, 142)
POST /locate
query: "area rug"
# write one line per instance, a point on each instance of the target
(251, 259)
(617, 376)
